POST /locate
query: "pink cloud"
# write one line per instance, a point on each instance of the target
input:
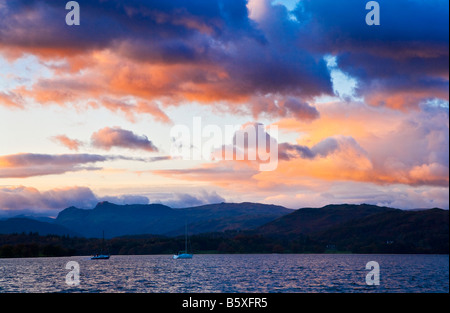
(71, 144)
(11, 99)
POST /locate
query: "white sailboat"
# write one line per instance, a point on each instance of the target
(184, 254)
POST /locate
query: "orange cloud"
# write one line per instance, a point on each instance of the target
(404, 99)
(361, 144)
(346, 165)
(353, 119)
(10, 99)
(104, 79)
(433, 173)
(71, 144)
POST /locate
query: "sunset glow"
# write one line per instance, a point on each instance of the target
(86, 111)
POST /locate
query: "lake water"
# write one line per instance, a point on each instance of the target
(302, 273)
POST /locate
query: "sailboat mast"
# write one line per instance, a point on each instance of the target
(185, 237)
(103, 242)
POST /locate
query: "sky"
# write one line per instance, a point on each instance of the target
(357, 113)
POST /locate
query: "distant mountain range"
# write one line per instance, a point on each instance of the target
(29, 225)
(349, 227)
(120, 220)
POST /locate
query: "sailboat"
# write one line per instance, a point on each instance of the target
(101, 256)
(184, 254)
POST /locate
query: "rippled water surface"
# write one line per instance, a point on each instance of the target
(229, 273)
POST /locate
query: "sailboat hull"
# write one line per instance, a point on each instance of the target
(183, 256)
(100, 257)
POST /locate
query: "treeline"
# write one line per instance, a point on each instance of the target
(396, 231)
(33, 245)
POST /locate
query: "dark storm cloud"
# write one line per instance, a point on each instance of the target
(172, 27)
(222, 54)
(408, 50)
(213, 51)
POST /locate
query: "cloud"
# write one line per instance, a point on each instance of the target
(140, 56)
(27, 200)
(10, 99)
(279, 106)
(399, 64)
(300, 110)
(184, 200)
(329, 145)
(400, 197)
(434, 173)
(131, 109)
(28, 164)
(227, 174)
(24, 165)
(415, 198)
(239, 163)
(351, 143)
(395, 142)
(108, 138)
(125, 199)
(17, 200)
(403, 94)
(71, 144)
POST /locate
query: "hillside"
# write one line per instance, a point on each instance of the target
(117, 220)
(394, 231)
(229, 216)
(27, 225)
(312, 220)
